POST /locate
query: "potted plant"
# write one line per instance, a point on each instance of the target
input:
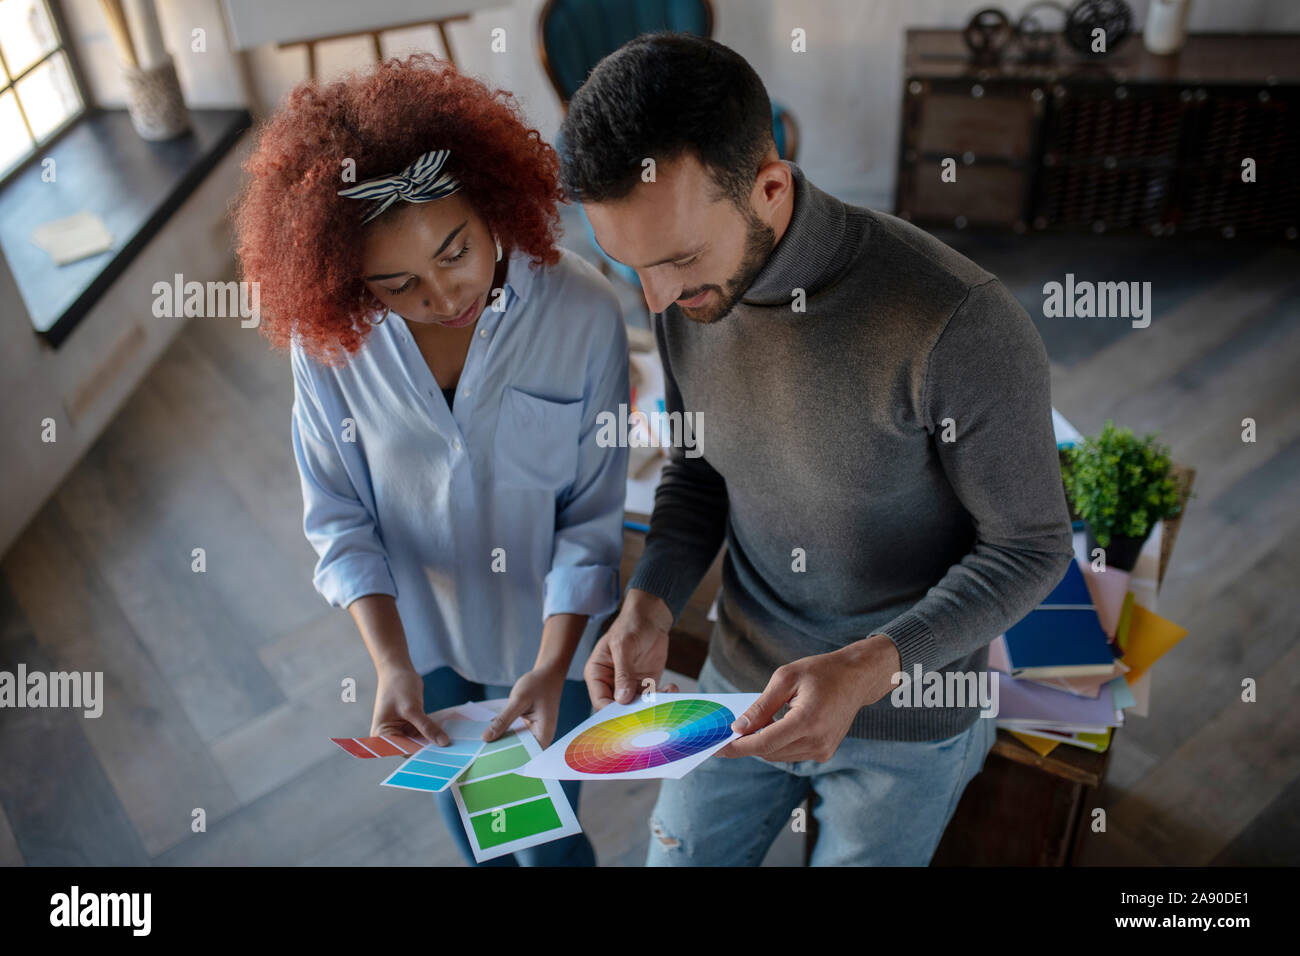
(1120, 486)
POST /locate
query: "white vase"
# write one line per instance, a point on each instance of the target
(1166, 26)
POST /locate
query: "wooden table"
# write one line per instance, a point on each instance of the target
(1021, 810)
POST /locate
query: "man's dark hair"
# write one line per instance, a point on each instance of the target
(664, 95)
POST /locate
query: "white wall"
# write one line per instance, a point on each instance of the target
(209, 78)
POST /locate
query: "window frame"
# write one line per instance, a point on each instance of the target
(9, 82)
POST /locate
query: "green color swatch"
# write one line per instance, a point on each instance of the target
(509, 740)
(494, 791)
(521, 820)
(490, 763)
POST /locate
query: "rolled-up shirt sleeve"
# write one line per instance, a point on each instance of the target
(588, 542)
(351, 558)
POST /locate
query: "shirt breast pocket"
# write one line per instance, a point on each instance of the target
(536, 444)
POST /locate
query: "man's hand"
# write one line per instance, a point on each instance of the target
(825, 692)
(634, 648)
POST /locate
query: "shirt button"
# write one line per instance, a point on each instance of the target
(466, 393)
(456, 444)
(482, 333)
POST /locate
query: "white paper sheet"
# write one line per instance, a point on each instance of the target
(1066, 434)
(667, 732)
(73, 238)
(639, 500)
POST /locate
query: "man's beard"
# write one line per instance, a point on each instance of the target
(759, 240)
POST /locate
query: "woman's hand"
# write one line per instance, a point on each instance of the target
(399, 706)
(536, 698)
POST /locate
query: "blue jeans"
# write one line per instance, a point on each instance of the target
(445, 688)
(876, 802)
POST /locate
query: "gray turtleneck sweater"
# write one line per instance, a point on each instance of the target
(825, 464)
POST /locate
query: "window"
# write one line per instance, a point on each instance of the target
(38, 89)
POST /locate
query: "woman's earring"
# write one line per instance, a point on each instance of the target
(498, 242)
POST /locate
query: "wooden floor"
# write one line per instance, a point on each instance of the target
(223, 686)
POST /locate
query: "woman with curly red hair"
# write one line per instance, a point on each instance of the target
(450, 364)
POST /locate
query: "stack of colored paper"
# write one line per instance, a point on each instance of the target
(1063, 637)
(1045, 711)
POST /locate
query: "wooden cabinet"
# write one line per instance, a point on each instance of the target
(1132, 143)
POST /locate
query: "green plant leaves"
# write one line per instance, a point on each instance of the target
(1120, 484)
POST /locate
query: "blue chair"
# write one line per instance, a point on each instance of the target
(574, 35)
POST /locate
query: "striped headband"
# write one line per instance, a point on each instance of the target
(422, 181)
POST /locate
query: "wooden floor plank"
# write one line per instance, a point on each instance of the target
(1240, 633)
(304, 656)
(183, 620)
(1271, 838)
(1178, 272)
(10, 855)
(1196, 802)
(246, 363)
(1093, 390)
(157, 763)
(298, 819)
(251, 450)
(276, 746)
(1206, 399)
(43, 820)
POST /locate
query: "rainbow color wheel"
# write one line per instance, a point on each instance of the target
(650, 738)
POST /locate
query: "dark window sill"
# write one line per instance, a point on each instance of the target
(103, 166)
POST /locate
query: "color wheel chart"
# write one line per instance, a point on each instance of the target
(666, 736)
(651, 737)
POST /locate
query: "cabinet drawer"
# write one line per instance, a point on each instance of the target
(988, 126)
(984, 195)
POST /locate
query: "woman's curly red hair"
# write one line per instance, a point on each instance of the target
(301, 241)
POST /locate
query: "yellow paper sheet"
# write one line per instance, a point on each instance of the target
(1149, 637)
(1038, 745)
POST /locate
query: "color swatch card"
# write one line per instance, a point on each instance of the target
(668, 737)
(1107, 589)
(1063, 636)
(1150, 636)
(433, 768)
(502, 811)
(391, 745)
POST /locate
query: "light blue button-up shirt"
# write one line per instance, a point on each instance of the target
(484, 519)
